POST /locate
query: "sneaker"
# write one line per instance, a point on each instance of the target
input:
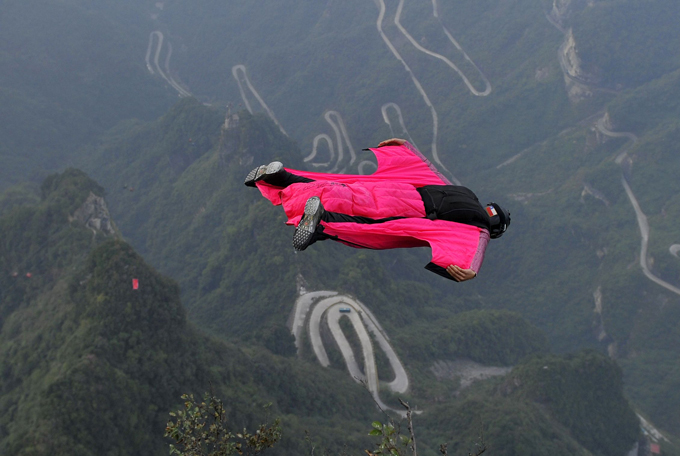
(262, 172)
(255, 175)
(304, 233)
(273, 169)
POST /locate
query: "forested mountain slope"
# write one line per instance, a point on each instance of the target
(210, 198)
(91, 364)
(566, 111)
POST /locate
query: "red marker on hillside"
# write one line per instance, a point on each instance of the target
(135, 284)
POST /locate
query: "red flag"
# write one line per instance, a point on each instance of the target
(135, 284)
(655, 449)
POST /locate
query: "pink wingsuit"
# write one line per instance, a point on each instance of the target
(389, 192)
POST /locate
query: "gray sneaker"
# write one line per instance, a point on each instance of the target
(254, 176)
(304, 233)
(261, 173)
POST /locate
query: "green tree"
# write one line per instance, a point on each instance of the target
(201, 429)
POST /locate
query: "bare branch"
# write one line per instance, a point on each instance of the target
(309, 442)
(481, 446)
(410, 426)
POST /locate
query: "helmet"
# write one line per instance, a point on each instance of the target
(500, 219)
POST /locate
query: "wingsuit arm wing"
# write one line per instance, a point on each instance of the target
(439, 270)
(403, 163)
(458, 244)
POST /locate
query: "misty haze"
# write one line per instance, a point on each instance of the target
(139, 276)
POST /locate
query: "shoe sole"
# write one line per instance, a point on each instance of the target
(307, 226)
(261, 173)
(273, 168)
(255, 175)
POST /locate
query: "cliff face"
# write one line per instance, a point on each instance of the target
(560, 10)
(94, 214)
(579, 82)
(569, 54)
(575, 79)
(563, 10)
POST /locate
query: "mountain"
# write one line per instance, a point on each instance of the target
(217, 237)
(92, 364)
(564, 111)
(577, 402)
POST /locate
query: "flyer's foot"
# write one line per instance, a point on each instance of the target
(262, 172)
(273, 171)
(304, 233)
(255, 175)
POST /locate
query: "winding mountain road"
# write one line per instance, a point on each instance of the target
(241, 76)
(333, 319)
(326, 305)
(338, 126)
(404, 132)
(302, 306)
(623, 159)
(334, 119)
(674, 249)
(625, 162)
(435, 117)
(435, 13)
(336, 122)
(168, 77)
(315, 145)
(416, 82)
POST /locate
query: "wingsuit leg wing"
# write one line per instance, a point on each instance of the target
(451, 242)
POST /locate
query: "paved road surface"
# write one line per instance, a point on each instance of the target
(168, 77)
(643, 224)
(302, 306)
(435, 13)
(326, 305)
(404, 132)
(241, 76)
(419, 87)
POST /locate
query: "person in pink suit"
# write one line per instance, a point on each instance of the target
(405, 203)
